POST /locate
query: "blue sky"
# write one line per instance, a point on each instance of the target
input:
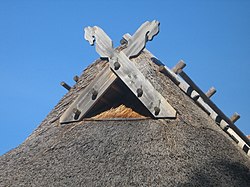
(41, 44)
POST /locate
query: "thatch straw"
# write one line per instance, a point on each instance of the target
(119, 112)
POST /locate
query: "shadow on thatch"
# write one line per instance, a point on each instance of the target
(236, 171)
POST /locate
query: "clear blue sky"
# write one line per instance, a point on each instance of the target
(41, 44)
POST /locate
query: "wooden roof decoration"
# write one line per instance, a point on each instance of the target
(120, 67)
(194, 144)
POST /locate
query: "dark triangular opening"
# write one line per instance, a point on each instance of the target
(118, 96)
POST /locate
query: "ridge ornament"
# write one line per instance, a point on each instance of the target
(120, 66)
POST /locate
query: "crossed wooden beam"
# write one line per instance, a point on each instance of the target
(120, 66)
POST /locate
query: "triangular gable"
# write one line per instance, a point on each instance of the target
(120, 67)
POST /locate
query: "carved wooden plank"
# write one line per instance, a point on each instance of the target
(89, 96)
(135, 81)
(135, 45)
(104, 48)
(104, 45)
(137, 42)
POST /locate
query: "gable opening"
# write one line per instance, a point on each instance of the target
(118, 102)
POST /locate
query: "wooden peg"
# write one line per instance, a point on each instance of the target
(178, 67)
(76, 78)
(117, 65)
(65, 85)
(77, 113)
(235, 117)
(94, 93)
(157, 110)
(139, 92)
(211, 92)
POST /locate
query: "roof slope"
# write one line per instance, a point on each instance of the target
(190, 150)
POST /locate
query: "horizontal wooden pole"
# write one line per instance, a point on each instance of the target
(65, 85)
(178, 67)
(214, 107)
(235, 117)
(163, 70)
(211, 92)
(184, 87)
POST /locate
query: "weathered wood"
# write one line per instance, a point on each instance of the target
(226, 127)
(211, 92)
(89, 96)
(137, 42)
(94, 93)
(65, 85)
(235, 117)
(206, 104)
(184, 87)
(101, 83)
(134, 80)
(116, 63)
(163, 70)
(236, 136)
(179, 67)
(127, 71)
(139, 92)
(104, 45)
(223, 125)
(77, 113)
(214, 107)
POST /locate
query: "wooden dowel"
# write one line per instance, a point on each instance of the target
(76, 78)
(94, 93)
(211, 92)
(65, 85)
(178, 67)
(157, 110)
(77, 113)
(139, 92)
(235, 117)
(163, 70)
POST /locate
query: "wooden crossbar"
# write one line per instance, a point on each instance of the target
(213, 106)
(228, 126)
(120, 66)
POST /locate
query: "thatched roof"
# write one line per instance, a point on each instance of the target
(190, 150)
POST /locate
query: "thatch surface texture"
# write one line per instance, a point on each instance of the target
(190, 150)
